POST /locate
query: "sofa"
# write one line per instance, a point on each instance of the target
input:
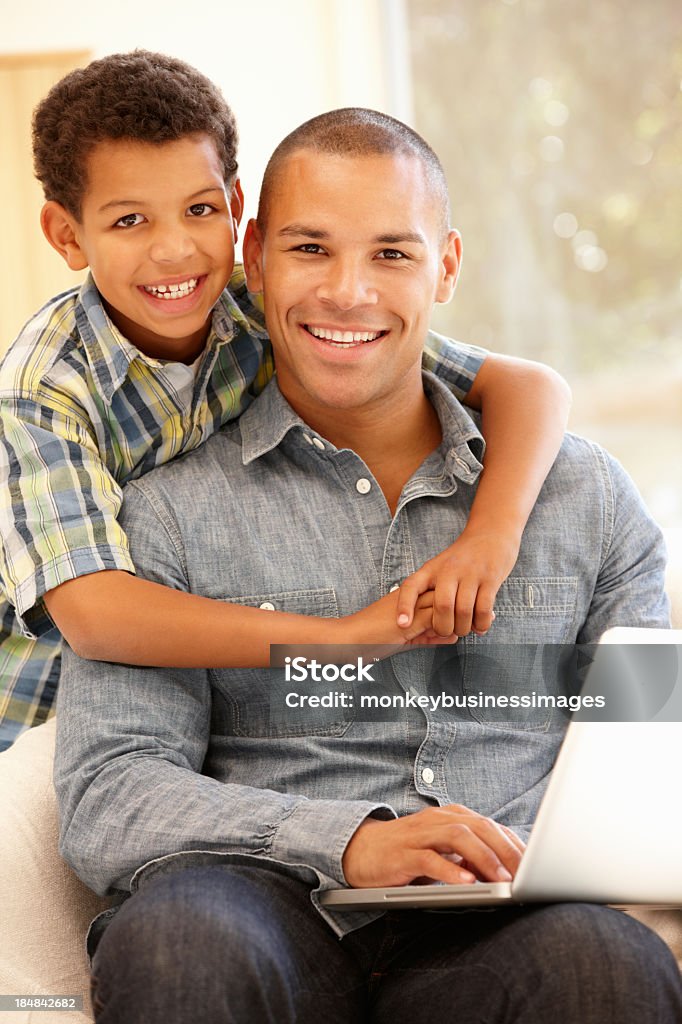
(45, 910)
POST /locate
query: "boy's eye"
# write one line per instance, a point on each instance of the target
(201, 209)
(130, 220)
(311, 247)
(391, 254)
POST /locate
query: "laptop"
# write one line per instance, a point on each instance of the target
(609, 828)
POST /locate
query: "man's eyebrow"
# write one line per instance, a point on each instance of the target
(401, 236)
(303, 229)
(141, 202)
(392, 238)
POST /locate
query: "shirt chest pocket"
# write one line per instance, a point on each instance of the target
(507, 674)
(269, 703)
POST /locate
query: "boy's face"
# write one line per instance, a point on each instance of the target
(157, 230)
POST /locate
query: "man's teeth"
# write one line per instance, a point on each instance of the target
(344, 337)
(172, 291)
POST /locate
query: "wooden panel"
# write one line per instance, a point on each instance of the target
(30, 271)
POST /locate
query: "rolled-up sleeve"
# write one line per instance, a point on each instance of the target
(58, 504)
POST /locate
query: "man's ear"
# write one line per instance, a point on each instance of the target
(60, 229)
(252, 254)
(236, 205)
(449, 269)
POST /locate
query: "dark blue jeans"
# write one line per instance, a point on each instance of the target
(219, 944)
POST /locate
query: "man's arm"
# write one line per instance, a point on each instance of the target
(131, 743)
(630, 585)
(524, 408)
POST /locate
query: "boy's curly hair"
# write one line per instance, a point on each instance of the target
(138, 96)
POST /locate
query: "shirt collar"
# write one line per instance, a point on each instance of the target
(270, 418)
(109, 352)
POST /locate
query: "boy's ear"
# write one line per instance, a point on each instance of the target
(451, 260)
(59, 228)
(236, 205)
(252, 254)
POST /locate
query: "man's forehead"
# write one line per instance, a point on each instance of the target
(313, 188)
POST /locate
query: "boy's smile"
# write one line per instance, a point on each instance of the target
(157, 230)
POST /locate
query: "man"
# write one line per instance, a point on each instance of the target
(220, 808)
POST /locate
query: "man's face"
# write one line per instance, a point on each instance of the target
(351, 263)
(157, 230)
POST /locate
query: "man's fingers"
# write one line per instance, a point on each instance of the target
(500, 840)
(516, 840)
(492, 860)
(429, 864)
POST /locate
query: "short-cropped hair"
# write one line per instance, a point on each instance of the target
(357, 131)
(139, 97)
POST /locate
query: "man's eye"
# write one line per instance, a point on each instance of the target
(309, 247)
(201, 209)
(391, 254)
(130, 220)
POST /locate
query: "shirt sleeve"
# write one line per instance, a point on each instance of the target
(131, 745)
(453, 362)
(58, 505)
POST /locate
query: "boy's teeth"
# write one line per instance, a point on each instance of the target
(172, 291)
(344, 337)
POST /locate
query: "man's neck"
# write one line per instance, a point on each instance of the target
(392, 441)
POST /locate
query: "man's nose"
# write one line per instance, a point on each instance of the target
(347, 284)
(172, 243)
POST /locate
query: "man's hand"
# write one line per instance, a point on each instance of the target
(441, 844)
(465, 579)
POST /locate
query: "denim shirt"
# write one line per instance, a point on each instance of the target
(159, 767)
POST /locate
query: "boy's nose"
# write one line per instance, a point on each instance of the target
(172, 245)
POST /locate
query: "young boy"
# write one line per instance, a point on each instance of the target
(137, 157)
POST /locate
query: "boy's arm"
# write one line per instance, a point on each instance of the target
(64, 550)
(115, 616)
(524, 407)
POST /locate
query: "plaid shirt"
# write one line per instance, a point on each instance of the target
(83, 411)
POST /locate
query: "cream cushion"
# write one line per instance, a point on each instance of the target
(45, 909)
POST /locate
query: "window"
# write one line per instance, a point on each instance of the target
(560, 128)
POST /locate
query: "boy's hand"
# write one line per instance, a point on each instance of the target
(377, 624)
(464, 580)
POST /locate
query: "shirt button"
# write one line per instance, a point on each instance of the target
(363, 486)
(267, 606)
(396, 586)
(427, 776)
(318, 443)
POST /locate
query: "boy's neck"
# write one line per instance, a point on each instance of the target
(181, 350)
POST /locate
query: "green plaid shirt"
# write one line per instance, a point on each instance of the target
(82, 411)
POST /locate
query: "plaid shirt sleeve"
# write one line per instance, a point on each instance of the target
(454, 362)
(58, 504)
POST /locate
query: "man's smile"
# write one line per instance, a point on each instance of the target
(343, 338)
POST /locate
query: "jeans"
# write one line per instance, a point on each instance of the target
(234, 943)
